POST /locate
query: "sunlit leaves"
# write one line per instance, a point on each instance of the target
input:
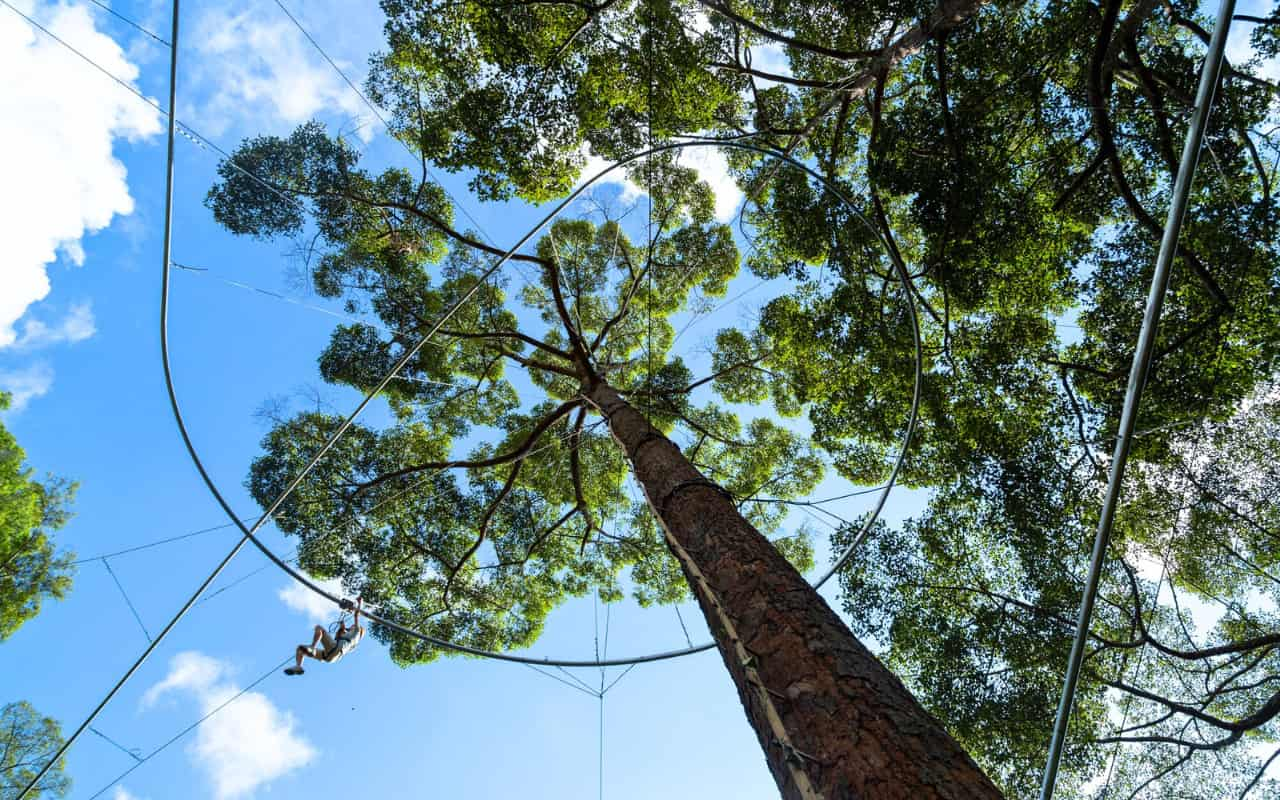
(27, 739)
(478, 507)
(31, 570)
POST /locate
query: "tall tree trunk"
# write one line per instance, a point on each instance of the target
(833, 722)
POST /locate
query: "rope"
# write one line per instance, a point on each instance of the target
(128, 21)
(650, 436)
(595, 618)
(337, 69)
(378, 113)
(205, 271)
(690, 484)
(554, 677)
(600, 765)
(127, 601)
(181, 127)
(232, 585)
(156, 543)
(115, 744)
(136, 664)
(680, 617)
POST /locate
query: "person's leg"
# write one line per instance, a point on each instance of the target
(309, 651)
(300, 651)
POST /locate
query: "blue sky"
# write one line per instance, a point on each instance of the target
(78, 346)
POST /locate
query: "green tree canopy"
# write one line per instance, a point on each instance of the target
(976, 603)
(489, 499)
(30, 569)
(1014, 159)
(1021, 169)
(26, 740)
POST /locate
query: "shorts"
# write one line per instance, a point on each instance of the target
(329, 649)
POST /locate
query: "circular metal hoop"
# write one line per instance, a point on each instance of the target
(250, 532)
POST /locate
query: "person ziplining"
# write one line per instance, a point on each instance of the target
(333, 647)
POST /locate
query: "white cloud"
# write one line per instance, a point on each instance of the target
(308, 603)
(713, 167)
(630, 191)
(76, 326)
(63, 117)
(26, 384)
(710, 164)
(254, 69)
(122, 793)
(250, 742)
(189, 670)
(770, 57)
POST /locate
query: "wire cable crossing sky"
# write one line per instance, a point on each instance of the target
(771, 266)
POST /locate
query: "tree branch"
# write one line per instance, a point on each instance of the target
(552, 270)
(724, 10)
(512, 456)
(538, 343)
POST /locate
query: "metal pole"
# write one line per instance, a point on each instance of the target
(1137, 380)
(168, 196)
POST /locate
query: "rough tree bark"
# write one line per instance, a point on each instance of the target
(833, 722)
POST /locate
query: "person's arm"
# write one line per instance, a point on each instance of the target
(355, 621)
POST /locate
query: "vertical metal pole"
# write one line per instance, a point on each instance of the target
(168, 217)
(1137, 380)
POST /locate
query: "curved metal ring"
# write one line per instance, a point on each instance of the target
(249, 532)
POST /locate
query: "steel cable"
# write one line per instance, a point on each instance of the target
(870, 521)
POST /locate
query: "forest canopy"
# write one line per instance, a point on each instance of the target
(31, 569)
(1013, 160)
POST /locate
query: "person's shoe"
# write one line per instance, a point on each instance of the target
(293, 671)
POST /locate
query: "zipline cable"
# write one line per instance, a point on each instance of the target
(129, 674)
(545, 220)
(144, 759)
(222, 565)
(1142, 358)
(173, 74)
(736, 144)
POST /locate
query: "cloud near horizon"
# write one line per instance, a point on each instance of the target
(248, 743)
